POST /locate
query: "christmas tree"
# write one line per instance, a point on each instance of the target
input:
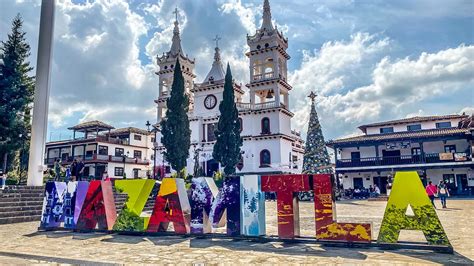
(316, 157)
(227, 147)
(176, 135)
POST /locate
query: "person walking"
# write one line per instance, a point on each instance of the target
(443, 193)
(80, 169)
(431, 190)
(57, 170)
(74, 170)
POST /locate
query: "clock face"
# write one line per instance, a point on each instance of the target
(210, 101)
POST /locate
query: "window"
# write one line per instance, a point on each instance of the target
(384, 130)
(443, 125)
(103, 150)
(265, 125)
(137, 154)
(415, 151)
(118, 171)
(355, 156)
(414, 127)
(265, 158)
(241, 124)
(210, 132)
(137, 137)
(119, 152)
(135, 172)
(450, 148)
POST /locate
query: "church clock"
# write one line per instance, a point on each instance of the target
(210, 101)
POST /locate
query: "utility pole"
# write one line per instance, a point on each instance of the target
(41, 96)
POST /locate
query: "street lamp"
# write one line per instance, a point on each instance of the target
(155, 145)
(124, 160)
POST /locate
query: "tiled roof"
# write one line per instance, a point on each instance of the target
(413, 120)
(92, 125)
(405, 135)
(126, 130)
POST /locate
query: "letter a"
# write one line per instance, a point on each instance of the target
(408, 190)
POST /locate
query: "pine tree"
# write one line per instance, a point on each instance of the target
(227, 147)
(16, 93)
(176, 134)
(316, 157)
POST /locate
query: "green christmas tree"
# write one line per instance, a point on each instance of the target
(16, 96)
(316, 157)
(227, 147)
(176, 134)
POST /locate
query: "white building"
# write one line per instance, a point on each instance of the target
(103, 148)
(269, 144)
(438, 147)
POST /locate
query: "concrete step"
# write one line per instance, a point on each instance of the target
(37, 207)
(18, 195)
(21, 203)
(20, 219)
(12, 200)
(20, 213)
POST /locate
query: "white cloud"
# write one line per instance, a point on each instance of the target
(246, 13)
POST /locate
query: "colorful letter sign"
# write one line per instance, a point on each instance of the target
(171, 205)
(138, 191)
(228, 202)
(252, 201)
(407, 190)
(99, 207)
(203, 193)
(286, 187)
(325, 215)
(52, 214)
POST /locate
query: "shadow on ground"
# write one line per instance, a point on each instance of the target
(293, 249)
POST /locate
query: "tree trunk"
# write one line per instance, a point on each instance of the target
(5, 159)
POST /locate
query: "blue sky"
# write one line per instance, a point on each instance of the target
(368, 60)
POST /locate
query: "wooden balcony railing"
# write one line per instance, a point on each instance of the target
(98, 158)
(426, 158)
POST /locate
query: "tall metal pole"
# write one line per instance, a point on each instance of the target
(41, 98)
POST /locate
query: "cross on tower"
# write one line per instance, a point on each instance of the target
(176, 12)
(217, 40)
(312, 96)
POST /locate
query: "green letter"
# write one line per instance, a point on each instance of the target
(408, 190)
(138, 192)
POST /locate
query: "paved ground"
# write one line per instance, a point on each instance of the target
(20, 243)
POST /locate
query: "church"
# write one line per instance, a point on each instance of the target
(270, 146)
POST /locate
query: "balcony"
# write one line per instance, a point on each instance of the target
(99, 158)
(428, 158)
(259, 106)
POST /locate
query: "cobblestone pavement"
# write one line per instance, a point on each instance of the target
(22, 244)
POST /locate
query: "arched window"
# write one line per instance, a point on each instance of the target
(268, 67)
(265, 158)
(241, 124)
(265, 125)
(257, 68)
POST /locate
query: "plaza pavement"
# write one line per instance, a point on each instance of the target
(21, 243)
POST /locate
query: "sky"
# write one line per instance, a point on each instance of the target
(367, 60)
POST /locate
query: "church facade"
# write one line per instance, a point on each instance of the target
(269, 143)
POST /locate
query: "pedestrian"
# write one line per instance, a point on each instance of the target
(376, 191)
(105, 176)
(3, 180)
(74, 170)
(443, 193)
(57, 170)
(80, 169)
(389, 188)
(68, 174)
(432, 191)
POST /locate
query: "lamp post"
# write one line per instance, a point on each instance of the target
(124, 161)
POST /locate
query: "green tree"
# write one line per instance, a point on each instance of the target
(227, 147)
(16, 95)
(316, 157)
(176, 134)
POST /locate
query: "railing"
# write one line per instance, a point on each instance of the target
(396, 160)
(258, 106)
(98, 157)
(264, 76)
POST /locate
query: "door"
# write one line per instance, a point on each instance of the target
(355, 157)
(390, 157)
(381, 182)
(358, 182)
(450, 182)
(99, 171)
(212, 167)
(462, 184)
